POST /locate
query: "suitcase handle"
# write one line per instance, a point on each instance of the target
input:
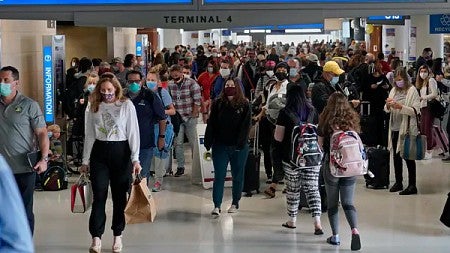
(256, 140)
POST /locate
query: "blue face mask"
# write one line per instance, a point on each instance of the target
(5, 89)
(334, 80)
(151, 85)
(91, 88)
(134, 87)
(50, 134)
(293, 72)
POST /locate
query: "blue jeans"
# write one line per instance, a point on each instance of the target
(190, 128)
(221, 156)
(145, 157)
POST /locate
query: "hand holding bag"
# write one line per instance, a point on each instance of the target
(81, 195)
(413, 147)
(141, 206)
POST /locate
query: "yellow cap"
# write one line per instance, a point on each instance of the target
(333, 67)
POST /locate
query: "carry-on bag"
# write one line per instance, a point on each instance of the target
(252, 166)
(141, 205)
(81, 195)
(378, 176)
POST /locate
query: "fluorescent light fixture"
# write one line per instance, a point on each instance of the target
(268, 31)
(246, 31)
(181, 31)
(303, 30)
(257, 31)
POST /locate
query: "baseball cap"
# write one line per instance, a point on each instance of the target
(117, 60)
(333, 67)
(312, 58)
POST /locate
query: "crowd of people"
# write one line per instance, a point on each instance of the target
(130, 113)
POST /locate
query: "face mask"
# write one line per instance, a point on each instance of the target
(423, 75)
(134, 87)
(281, 76)
(230, 91)
(400, 83)
(5, 89)
(108, 97)
(225, 72)
(151, 85)
(50, 134)
(177, 80)
(334, 80)
(73, 64)
(293, 72)
(214, 55)
(91, 87)
(141, 63)
(210, 69)
(269, 73)
(223, 53)
(186, 76)
(231, 54)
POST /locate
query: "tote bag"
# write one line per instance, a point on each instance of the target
(413, 147)
(81, 195)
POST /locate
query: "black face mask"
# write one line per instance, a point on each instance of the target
(223, 53)
(281, 76)
(177, 80)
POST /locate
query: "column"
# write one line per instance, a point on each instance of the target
(397, 36)
(425, 39)
(21, 47)
(170, 38)
(123, 41)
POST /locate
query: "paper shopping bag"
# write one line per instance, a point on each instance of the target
(141, 206)
(81, 195)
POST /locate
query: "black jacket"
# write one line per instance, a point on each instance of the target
(227, 125)
(321, 91)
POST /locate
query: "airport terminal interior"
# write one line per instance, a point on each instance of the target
(109, 30)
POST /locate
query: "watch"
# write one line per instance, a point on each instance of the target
(162, 136)
(45, 158)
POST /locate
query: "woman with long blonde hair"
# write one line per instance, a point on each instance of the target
(339, 115)
(112, 142)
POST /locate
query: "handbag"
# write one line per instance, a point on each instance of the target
(81, 195)
(413, 146)
(141, 206)
(445, 217)
(437, 106)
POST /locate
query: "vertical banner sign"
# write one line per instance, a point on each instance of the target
(412, 44)
(138, 48)
(48, 85)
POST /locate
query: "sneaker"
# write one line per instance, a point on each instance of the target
(409, 191)
(428, 156)
(156, 187)
(215, 212)
(270, 192)
(233, 209)
(180, 171)
(446, 160)
(396, 187)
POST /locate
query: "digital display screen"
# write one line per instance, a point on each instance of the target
(317, 1)
(91, 2)
(385, 17)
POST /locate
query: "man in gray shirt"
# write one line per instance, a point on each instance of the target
(22, 127)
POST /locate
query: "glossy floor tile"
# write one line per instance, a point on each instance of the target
(387, 222)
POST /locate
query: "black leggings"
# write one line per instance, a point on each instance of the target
(109, 162)
(398, 166)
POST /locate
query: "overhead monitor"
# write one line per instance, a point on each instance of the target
(90, 2)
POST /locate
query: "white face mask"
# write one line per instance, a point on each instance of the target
(225, 72)
(269, 73)
(231, 54)
(186, 76)
(423, 75)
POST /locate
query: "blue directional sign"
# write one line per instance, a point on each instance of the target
(439, 23)
(313, 1)
(385, 17)
(48, 85)
(138, 48)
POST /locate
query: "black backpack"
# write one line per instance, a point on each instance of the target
(54, 179)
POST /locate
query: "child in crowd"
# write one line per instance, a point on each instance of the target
(56, 150)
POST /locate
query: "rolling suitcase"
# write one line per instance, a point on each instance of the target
(379, 161)
(368, 125)
(441, 138)
(252, 167)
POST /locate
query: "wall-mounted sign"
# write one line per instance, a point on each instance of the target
(48, 84)
(440, 23)
(90, 2)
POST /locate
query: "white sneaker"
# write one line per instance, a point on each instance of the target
(232, 209)
(215, 212)
(428, 156)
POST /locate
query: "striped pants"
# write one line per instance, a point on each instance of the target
(306, 179)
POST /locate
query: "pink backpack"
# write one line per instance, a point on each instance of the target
(347, 155)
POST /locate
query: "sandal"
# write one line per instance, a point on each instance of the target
(286, 225)
(270, 192)
(318, 231)
(329, 241)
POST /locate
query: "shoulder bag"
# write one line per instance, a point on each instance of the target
(413, 147)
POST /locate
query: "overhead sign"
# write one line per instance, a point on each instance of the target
(48, 84)
(440, 23)
(197, 19)
(90, 2)
(386, 20)
(309, 1)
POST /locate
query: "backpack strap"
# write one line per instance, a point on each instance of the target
(160, 96)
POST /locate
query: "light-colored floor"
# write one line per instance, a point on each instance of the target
(387, 222)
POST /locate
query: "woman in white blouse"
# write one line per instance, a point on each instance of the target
(428, 90)
(111, 141)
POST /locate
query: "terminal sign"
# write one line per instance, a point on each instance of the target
(48, 85)
(196, 19)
